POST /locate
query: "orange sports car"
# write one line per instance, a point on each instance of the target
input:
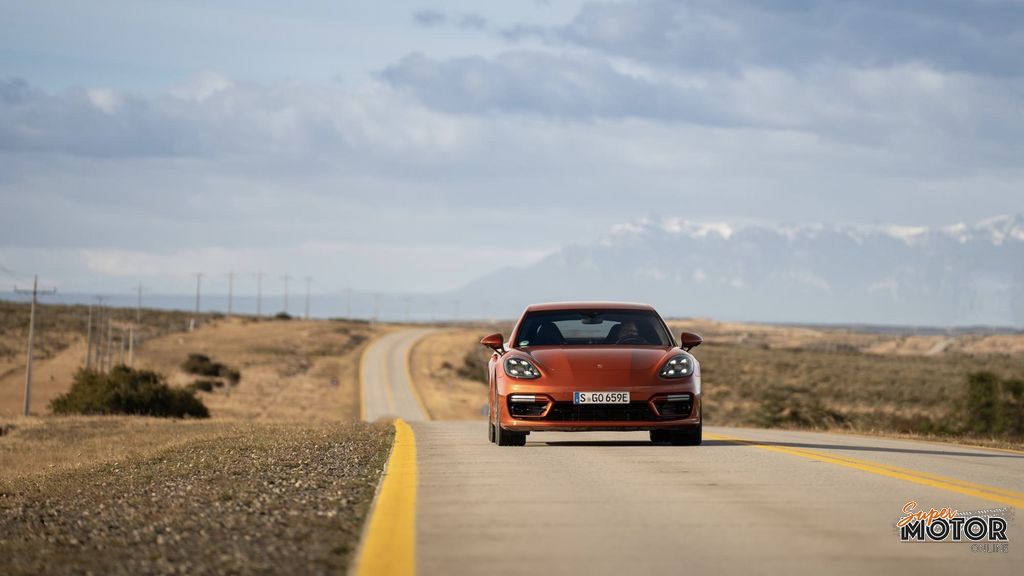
(583, 366)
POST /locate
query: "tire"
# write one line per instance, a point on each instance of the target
(490, 431)
(660, 436)
(503, 437)
(690, 437)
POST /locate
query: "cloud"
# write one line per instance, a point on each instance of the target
(866, 105)
(212, 117)
(472, 20)
(975, 36)
(429, 18)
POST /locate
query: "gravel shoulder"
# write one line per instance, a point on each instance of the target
(233, 497)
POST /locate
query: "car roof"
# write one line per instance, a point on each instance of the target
(587, 305)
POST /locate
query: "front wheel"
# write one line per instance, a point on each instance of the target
(688, 437)
(503, 437)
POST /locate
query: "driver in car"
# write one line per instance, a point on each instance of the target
(629, 334)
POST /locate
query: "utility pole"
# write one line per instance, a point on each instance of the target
(88, 341)
(138, 306)
(98, 347)
(135, 327)
(231, 291)
(259, 294)
(286, 278)
(31, 336)
(199, 283)
(108, 357)
(309, 280)
(348, 303)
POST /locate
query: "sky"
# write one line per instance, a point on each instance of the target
(415, 146)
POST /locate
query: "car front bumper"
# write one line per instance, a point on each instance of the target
(658, 407)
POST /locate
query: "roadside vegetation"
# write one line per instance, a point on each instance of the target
(278, 479)
(127, 391)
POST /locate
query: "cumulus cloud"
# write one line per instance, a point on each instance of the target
(856, 104)
(730, 34)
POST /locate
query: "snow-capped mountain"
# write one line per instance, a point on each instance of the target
(962, 274)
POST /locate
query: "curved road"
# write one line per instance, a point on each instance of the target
(746, 502)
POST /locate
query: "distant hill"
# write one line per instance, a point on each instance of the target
(875, 274)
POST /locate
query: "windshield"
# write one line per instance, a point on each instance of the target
(592, 328)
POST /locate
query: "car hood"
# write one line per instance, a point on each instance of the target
(599, 358)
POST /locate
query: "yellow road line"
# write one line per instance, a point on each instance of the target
(389, 543)
(412, 383)
(992, 493)
(929, 475)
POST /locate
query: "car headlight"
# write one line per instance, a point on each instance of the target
(521, 368)
(679, 366)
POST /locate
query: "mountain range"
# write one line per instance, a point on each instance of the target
(956, 275)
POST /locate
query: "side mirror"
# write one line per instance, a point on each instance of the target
(689, 340)
(495, 342)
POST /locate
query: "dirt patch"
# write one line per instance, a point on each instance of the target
(234, 498)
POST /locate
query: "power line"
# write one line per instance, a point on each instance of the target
(31, 335)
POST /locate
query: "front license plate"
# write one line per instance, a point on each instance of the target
(600, 398)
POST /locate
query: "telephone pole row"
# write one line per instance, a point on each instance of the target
(36, 292)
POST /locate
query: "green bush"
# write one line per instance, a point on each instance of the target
(127, 391)
(203, 365)
(993, 406)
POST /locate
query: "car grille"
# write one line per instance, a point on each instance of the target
(569, 412)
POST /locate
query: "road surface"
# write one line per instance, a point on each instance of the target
(746, 502)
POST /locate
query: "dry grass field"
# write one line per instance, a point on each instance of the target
(289, 368)
(781, 376)
(445, 383)
(279, 478)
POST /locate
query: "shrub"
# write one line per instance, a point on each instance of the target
(993, 406)
(233, 376)
(474, 365)
(127, 391)
(282, 316)
(203, 365)
(205, 385)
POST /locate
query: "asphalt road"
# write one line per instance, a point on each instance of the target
(745, 502)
